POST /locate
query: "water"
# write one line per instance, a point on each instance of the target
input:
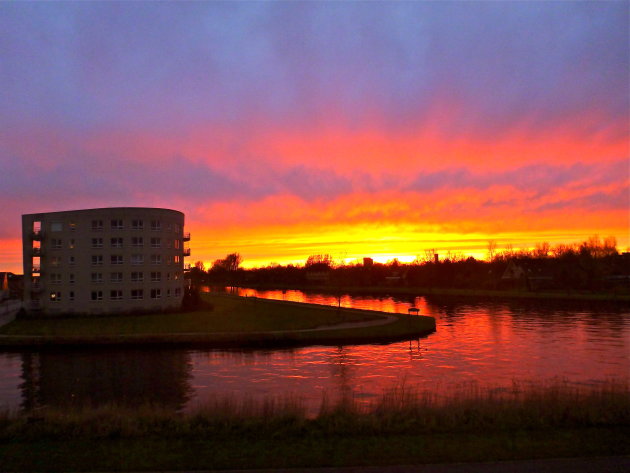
(488, 343)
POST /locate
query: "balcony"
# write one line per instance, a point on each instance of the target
(37, 235)
(37, 252)
(186, 251)
(187, 267)
(186, 236)
(36, 268)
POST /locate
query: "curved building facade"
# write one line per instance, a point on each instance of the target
(104, 261)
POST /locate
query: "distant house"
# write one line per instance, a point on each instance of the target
(531, 275)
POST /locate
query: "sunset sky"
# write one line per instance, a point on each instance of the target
(285, 129)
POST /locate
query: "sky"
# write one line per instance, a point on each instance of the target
(285, 129)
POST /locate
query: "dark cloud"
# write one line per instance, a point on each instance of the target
(492, 65)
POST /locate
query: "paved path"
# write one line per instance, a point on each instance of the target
(620, 464)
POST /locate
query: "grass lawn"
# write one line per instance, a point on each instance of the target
(229, 314)
(232, 321)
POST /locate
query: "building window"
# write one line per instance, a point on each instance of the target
(156, 259)
(56, 227)
(177, 228)
(168, 293)
(156, 293)
(97, 296)
(169, 243)
(55, 296)
(116, 277)
(176, 259)
(72, 226)
(137, 294)
(71, 278)
(71, 260)
(115, 295)
(55, 261)
(137, 224)
(176, 275)
(176, 244)
(116, 259)
(97, 243)
(168, 276)
(71, 295)
(116, 242)
(169, 259)
(56, 243)
(178, 291)
(156, 242)
(156, 225)
(71, 244)
(97, 225)
(55, 278)
(137, 260)
(97, 260)
(137, 276)
(137, 242)
(97, 278)
(156, 276)
(117, 224)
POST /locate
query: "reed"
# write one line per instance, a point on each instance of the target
(401, 410)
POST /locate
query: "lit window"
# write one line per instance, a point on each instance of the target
(116, 242)
(156, 225)
(97, 278)
(55, 296)
(137, 259)
(97, 225)
(97, 260)
(137, 276)
(156, 242)
(156, 293)
(72, 226)
(97, 243)
(116, 259)
(97, 296)
(156, 259)
(156, 276)
(176, 259)
(115, 295)
(137, 294)
(116, 277)
(71, 244)
(117, 224)
(137, 242)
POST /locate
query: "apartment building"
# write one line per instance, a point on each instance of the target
(104, 261)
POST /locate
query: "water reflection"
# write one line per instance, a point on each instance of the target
(113, 377)
(487, 342)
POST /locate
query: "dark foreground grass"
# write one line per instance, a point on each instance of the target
(403, 427)
(232, 321)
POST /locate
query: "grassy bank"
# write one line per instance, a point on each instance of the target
(623, 298)
(402, 427)
(232, 321)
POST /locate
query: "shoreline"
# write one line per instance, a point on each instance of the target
(381, 327)
(449, 292)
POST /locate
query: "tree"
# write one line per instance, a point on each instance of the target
(492, 249)
(232, 262)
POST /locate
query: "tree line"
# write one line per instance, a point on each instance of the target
(592, 265)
